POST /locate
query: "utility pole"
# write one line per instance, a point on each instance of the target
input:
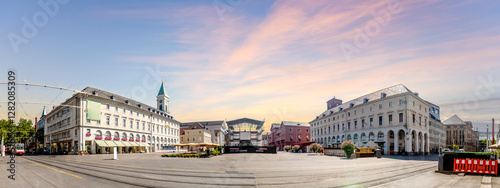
(493, 130)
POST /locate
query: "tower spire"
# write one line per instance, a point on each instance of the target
(162, 89)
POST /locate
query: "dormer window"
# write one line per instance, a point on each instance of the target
(331, 112)
(126, 101)
(351, 105)
(365, 100)
(112, 97)
(383, 95)
(340, 109)
(139, 105)
(94, 93)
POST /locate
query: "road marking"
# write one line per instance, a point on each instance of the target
(100, 163)
(175, 169)
(50, 168)
(486, 182)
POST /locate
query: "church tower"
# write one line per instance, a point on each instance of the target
(162, 99)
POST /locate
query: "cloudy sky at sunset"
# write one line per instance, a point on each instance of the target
(271, 60)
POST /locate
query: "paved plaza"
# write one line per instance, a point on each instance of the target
(232, 170)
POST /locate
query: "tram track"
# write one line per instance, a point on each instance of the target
(131, 176)
(160, 176)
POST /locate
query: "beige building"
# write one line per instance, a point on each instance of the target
(461, 133)
(196, 133)
(395, 118)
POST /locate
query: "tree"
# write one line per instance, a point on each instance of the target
(23, 129)
(316, 148)
(348, 148)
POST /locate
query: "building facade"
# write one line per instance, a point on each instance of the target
(395, 118)
(94, 120)
(437, 130)
(290, 133)
(218, 130)
(461, 133)
(245, 132)
(195, 133)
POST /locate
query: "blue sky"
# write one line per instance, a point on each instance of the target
(270, 60)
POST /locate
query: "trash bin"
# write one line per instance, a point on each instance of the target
(378, 153)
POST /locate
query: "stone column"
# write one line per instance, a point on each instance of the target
(386, 144)
(408, 142)
(396, 144)
(427, 144)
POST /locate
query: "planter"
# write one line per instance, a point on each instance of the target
(143, 140)
(98, 137)
(124, 139)
(137, 140)
(130, 139)
(88, 134)
(116, 138)
(107, 138)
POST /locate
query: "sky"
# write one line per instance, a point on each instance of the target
(266, 60)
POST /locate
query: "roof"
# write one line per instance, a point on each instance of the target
(204, 123)
(162, 89)
(275, 126)
(454, 120)
(231, 124)
(293, 123)
(111, 96)
(390, 91)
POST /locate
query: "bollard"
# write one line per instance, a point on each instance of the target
(115, 153)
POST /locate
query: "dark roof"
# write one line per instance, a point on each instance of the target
(204, 123)
(259, 124)
(111, 96)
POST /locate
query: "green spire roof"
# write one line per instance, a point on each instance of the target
(162, 89)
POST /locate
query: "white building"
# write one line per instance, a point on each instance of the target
(395, 118)
(95, 120)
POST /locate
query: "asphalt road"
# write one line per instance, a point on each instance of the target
(231, 170)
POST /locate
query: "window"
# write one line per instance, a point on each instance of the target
(291, 137)
(363, 123)
(400, 102)
(390, 103)
(194, 139)
(355, 124)
(379, 106)
(342, 115)
(124, 122)
(290, 130)
(355, 112)
(413, 118)
(188, 139)
(299, 129)
(371, 108)
(307, 130)
(400, 117)
(343, 127)
(137, 125)
(371, 122)
(149, 127)
(143, 126)
(88, 121)
(420, 120)
(116, 121)
(349, 125)
(98, 122)
(379, 120)
(390, 119)
(182, 139)
(362, 110)
(413, 103)
(116, 108)
(348, 114)
(107, 106)
(107, 120)
(124, 110)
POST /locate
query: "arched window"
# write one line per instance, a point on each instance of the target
(124, 135)
(131, 136)
(117, 135)
(371, 136)
(108, 134)
(98, 133)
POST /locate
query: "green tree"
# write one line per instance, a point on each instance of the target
(348, 148)
(23, 129)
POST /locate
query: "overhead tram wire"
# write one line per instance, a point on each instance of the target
(45, 86)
